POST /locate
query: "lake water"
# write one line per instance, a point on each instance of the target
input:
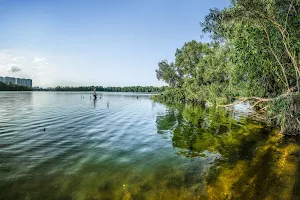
(56, 145)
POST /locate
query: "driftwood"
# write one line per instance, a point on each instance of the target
(257, 100)
(241, 100)
(285, 112)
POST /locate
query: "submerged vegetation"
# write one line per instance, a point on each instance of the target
(249, 160)
(184, 152)
(254, 56)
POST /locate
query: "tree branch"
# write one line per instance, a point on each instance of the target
(287, 15)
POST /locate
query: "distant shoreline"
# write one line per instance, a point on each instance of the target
(137, 89)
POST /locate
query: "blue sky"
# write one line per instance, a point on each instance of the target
(95, 42)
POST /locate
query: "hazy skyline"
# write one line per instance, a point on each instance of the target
(108, 43)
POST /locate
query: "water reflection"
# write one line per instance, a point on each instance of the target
(139, 150)
(255, 161)
(95, 102)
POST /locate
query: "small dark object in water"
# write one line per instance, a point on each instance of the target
(44, 129)
(137, 97)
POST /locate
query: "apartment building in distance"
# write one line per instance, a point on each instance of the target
(17, 81)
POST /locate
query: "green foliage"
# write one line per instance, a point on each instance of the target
(170, 95)
(285, 111)
(13, 87)
(199, 73)
(263, 38)
(255, 51)
(168, 73)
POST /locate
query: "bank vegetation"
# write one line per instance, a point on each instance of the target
(254, 55)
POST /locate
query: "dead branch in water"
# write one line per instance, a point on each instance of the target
(260, 101)
(232, 104)
(242, 100)
(257, 99)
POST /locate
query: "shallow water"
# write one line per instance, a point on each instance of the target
(57, 145)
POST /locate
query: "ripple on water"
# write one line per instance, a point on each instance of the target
(135, 149)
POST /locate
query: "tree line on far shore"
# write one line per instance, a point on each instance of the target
(13, 87)
(150, 89)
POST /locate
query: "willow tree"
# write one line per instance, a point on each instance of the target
(199, 73)
(264, 39)
(263, 36)
(254, 55)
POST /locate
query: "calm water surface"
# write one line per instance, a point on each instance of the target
(56, 145)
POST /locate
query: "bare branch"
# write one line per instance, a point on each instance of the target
(287, 16)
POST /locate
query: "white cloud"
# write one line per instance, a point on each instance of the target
(9, 63)
(4, 58)
(37, 59)
(28, 66)
(13, 69)
(38, 67)
(16, 58)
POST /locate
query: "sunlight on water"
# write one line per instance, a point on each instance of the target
(67, 146)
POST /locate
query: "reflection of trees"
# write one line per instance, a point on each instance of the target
(257, 163)
(166, 123)
(198, 129)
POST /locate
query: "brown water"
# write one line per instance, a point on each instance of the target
(124, 147)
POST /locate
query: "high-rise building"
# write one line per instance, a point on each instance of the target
(17, 81)
(23, 82)
(29, 83)
(9, 80)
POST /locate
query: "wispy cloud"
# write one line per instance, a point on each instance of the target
(24, 67)
(38, 67)
(13, 69)
(4, 57)
(38, 59)
(10, 63)
(16, 58)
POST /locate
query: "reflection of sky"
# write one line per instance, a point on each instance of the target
(81, 131)
(91, 151)
(12, 103)
(240, 110)
(243, 107)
